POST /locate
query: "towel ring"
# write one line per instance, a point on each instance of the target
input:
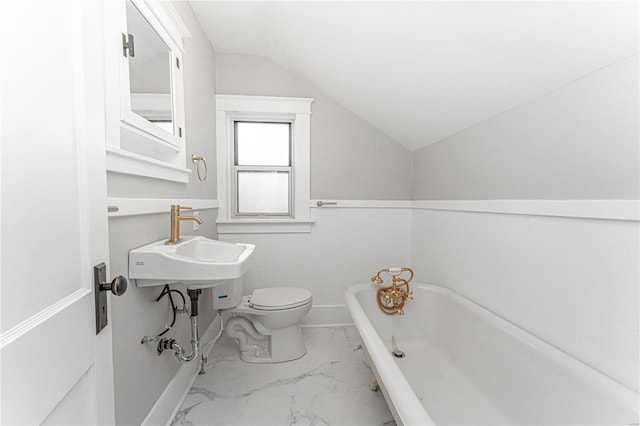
(197, 160)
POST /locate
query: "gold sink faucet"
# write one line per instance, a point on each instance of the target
(175, 222)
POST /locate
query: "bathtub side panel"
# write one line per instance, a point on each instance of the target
(400, 396)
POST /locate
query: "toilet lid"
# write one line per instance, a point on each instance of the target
(276, 298)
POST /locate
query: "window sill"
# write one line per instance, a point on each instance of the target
(264, 226)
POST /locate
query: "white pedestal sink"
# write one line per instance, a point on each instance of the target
(197, 262)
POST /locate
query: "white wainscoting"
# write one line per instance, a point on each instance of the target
(570, 281)
(545, 265)
(346, 246)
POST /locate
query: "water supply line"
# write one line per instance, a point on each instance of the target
(172, 344)
(167, 291)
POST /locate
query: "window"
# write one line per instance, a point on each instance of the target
(263, 150)
(262, 169)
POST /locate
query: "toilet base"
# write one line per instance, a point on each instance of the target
(285, 344)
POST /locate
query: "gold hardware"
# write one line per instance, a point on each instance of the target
(197, 160)
(391, 299)
(112, 209)
(175, 222)
(326, 203)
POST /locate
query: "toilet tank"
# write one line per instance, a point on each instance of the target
(227, 294)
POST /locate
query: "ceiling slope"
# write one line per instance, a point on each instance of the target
(422, 71)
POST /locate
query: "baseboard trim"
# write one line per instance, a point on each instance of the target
(171, 399)
(167, 406)
(327, 316)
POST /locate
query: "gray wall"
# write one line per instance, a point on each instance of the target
(350, 159)
(551, 276)
(577, 142)
(140, 375)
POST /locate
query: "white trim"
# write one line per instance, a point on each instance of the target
(166, 12)
(138, 138)
(122, 161)
(362, 204)
(141, 206)
(264, 226)
(263, 104)
(594, 209)
(155, 105)
(171, 399)
(41, 317)
(589, 209)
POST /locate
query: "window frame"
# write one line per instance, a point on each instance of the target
(297, 112)
(264, 168)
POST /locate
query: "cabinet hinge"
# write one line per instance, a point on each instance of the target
(127, 44)
(180, 132)
(178, 63)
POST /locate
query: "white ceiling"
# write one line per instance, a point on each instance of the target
(421, 71)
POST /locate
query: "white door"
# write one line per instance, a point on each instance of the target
(55, 369)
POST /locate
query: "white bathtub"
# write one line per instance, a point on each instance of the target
(465, 365)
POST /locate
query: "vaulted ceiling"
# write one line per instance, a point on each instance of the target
(421, 71)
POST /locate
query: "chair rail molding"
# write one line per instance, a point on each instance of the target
(586, 209)
(118, 207)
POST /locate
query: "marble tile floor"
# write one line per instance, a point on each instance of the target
(327, 386)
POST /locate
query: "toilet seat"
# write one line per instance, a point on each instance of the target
(279, 298)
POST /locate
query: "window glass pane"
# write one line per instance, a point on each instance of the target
(262, 144)
(263, 192)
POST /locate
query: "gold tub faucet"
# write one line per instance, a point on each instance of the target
(175, 222)
(391, 299)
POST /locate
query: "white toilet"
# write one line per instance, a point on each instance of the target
(265, 323)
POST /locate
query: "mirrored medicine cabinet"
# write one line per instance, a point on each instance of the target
(150, 67)
(151, 140)
(152, 84)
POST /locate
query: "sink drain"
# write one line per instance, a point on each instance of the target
(394, 348)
